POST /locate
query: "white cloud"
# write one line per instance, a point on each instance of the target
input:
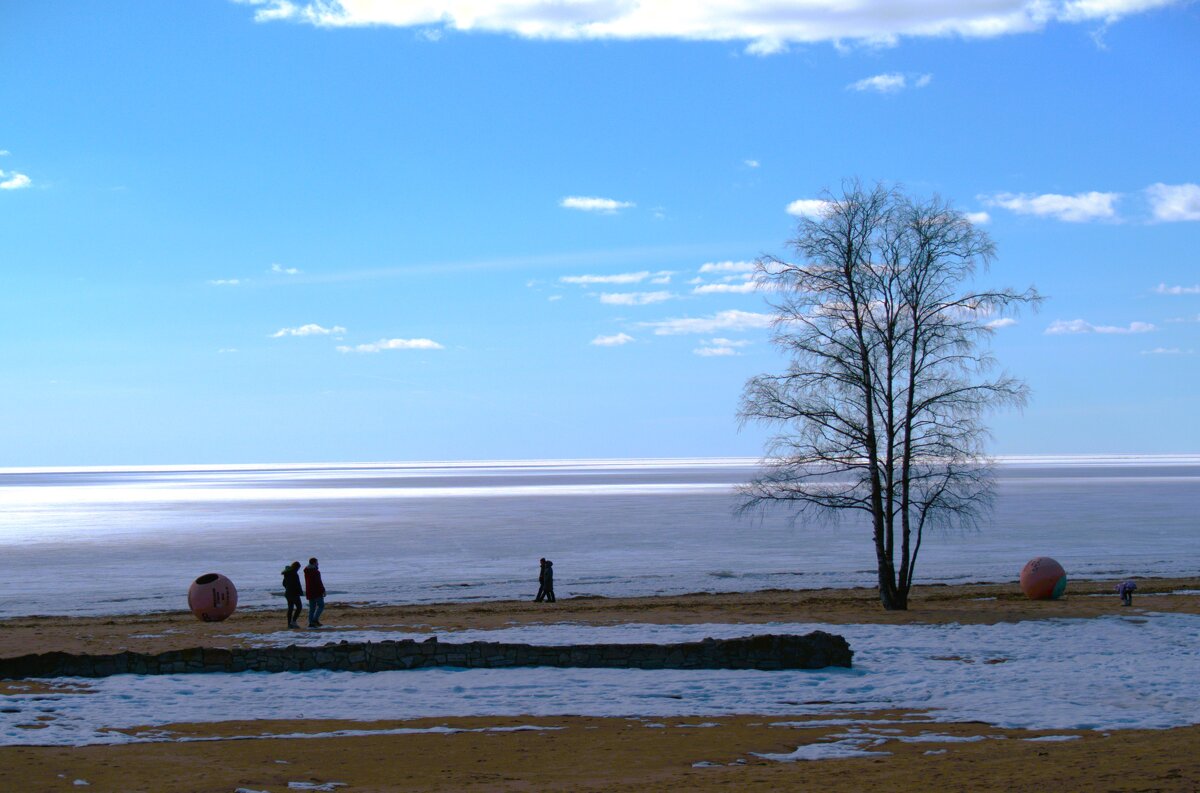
(742, 288)
(1168, 351)
(814, 208)
(1078, 208)
(393, 344)
(612, 341)
(227, 350)
(978, 218)
(225, 281)
(281, 270)
(4, 152)
(883, 83)
(662, 278)
(1003, 322)
(1063, 327)
(1172, 202)
(765, 28)
(890, 83)
(594, 204)
(727, 267)
(720, 347)
(554, 298)
(722, 320)
(634, 298)
(311, 329)
(15, 181)
(1163, 289)
(619, 278)
(751, 163)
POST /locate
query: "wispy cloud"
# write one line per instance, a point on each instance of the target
(393, 344)
(594, 204)
(311, 329)
(751, 163)
(1073, 326)
(978, 218)
(890, 83)
(616, 278)
(14, 181)
(727, 267)
(809, 208)
(634, 298)
(1168, 351)
(279, 269)
(1163, 289)
(615, 340)
(1174, 202)
(720, 347)
(1078, 208)
(736, 288)
(722, 320)
(1003, 322)
(225, 281)
(764, 29)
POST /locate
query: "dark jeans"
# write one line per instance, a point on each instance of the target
(294, 607)
(315, 607)
(546, 592)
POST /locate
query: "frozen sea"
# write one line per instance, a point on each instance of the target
(94, 541)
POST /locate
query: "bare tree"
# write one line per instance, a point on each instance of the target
(880, 408)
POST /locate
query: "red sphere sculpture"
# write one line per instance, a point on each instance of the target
(1043, 579)
(212, 597)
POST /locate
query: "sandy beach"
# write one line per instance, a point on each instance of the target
(907, 752)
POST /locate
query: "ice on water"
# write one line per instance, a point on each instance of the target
(90, 541)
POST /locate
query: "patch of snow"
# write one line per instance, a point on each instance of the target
(935, 751)
(315, 785)
(837, 750)
(1052, 738)
(705, 764)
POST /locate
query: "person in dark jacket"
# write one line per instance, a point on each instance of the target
(546, 582)
(292, 591)
(316, 593)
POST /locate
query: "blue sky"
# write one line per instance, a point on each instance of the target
(262, 231)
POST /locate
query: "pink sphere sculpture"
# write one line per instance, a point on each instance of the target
(212, 597)
(1043, 579)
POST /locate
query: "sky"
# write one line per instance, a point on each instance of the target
(264, 231)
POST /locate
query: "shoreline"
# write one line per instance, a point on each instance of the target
(983, 603)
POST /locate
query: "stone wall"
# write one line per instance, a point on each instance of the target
(812, 651)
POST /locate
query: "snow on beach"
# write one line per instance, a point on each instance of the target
(1105, 673)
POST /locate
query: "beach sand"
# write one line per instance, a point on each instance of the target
(606, 753)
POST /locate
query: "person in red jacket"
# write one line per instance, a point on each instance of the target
(315, 591)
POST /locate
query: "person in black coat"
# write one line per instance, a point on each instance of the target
(293, 592)
(546, 582)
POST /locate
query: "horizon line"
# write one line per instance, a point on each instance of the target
(1125, 458)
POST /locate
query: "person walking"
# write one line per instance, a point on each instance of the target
(1126, 589)
(292, 591)
(316, 593)
(546, 582)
